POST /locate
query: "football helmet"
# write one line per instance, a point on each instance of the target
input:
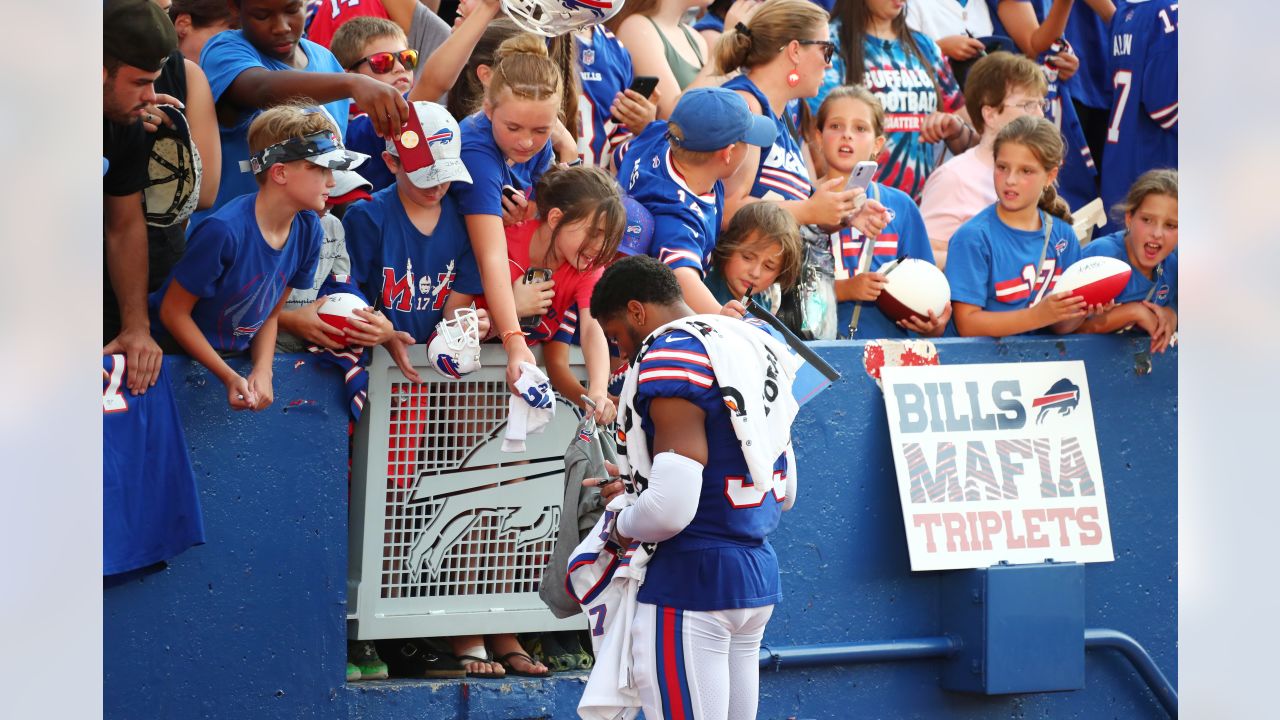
(454, 348)
(550, 18)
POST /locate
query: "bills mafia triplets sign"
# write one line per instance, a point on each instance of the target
(997, 463)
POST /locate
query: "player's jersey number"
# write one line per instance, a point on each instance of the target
(114, 401)
(741, 491)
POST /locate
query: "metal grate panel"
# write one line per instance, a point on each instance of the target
(455, 532)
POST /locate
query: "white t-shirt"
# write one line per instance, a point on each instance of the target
(943, 18)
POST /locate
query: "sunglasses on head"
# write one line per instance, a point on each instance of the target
(828, 47)
(385, 62)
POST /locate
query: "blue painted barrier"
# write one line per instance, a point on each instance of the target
(250, 625)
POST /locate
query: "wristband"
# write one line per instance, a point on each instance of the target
(509, 333)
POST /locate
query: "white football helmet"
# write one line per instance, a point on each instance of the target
(454, 348)
(557, 17)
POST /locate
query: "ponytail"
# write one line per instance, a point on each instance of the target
(1051, 203)
(775, 24)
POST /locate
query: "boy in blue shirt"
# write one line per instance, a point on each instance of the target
(267, 62)
(676, 170)
(225, 294)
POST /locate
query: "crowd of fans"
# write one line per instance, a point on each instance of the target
(261, 155)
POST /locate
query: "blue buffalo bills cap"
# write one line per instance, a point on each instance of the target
(707, 119)
(638, 234)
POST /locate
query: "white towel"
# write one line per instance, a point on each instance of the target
(605, 584)
(749, 362)
(529, 412)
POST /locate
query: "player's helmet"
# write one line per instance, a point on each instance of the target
(557, 17)
(454, 348)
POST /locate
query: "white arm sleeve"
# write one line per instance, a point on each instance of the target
(669, 503)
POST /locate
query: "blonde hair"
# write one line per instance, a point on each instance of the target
(523, 66)
(775, 24)
(762, 223)
(1161, 181)
(584, 193)
(991, 79)
(352, 36)
(1042, 138)
(853, 92)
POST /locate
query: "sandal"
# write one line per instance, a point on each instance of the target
(469, 660)
(505, 661)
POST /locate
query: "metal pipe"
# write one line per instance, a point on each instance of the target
(1141, 661)
(945, 646)
(857, 652)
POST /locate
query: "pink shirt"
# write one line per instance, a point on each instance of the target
(959, 189)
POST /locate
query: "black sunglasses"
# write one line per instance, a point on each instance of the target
(828, 47)
(384, 62)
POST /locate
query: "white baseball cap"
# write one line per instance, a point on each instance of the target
(430, 147)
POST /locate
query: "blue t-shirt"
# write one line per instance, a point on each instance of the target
(993, 266)
(362, 139)
(404, 273)
(685, 224)
(1143, 132)
(150, 502)
(223, 58)
(904, 236)
(781, 173)
(709, 21)
(1164, 280)
(604, 67)
(238, 277)
(723, 558)
(490, 171)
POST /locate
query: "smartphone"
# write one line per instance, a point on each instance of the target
(509, 192)
(861, 175)
(644, 84)
(534, 275)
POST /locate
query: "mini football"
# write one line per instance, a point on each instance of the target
(914, 287)
(338, 310)
(1096, 279)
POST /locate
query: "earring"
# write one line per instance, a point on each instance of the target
(793, 78)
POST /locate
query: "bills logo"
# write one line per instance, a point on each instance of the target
(596, 7)
(249, 329)
(1060, 246)
(1063, 396)
(1163, 293)
(634, 229)
(538, 396)
(448, 365)
(443, 135)
(584, 433)
(734, 401)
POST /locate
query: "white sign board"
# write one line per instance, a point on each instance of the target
(997, 463)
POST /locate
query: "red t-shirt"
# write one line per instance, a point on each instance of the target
(572, 287)
(332, 13)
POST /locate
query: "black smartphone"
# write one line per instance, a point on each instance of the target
(644, 84)
(509, 192)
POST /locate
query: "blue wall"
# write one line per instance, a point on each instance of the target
(250, 625)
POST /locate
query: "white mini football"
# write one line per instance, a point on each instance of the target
(914, 287)
(339, 308)
(1096, 279)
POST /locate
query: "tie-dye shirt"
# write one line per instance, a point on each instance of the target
(910, 92)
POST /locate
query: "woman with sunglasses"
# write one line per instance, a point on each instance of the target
(782, 51)
(922, 100)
